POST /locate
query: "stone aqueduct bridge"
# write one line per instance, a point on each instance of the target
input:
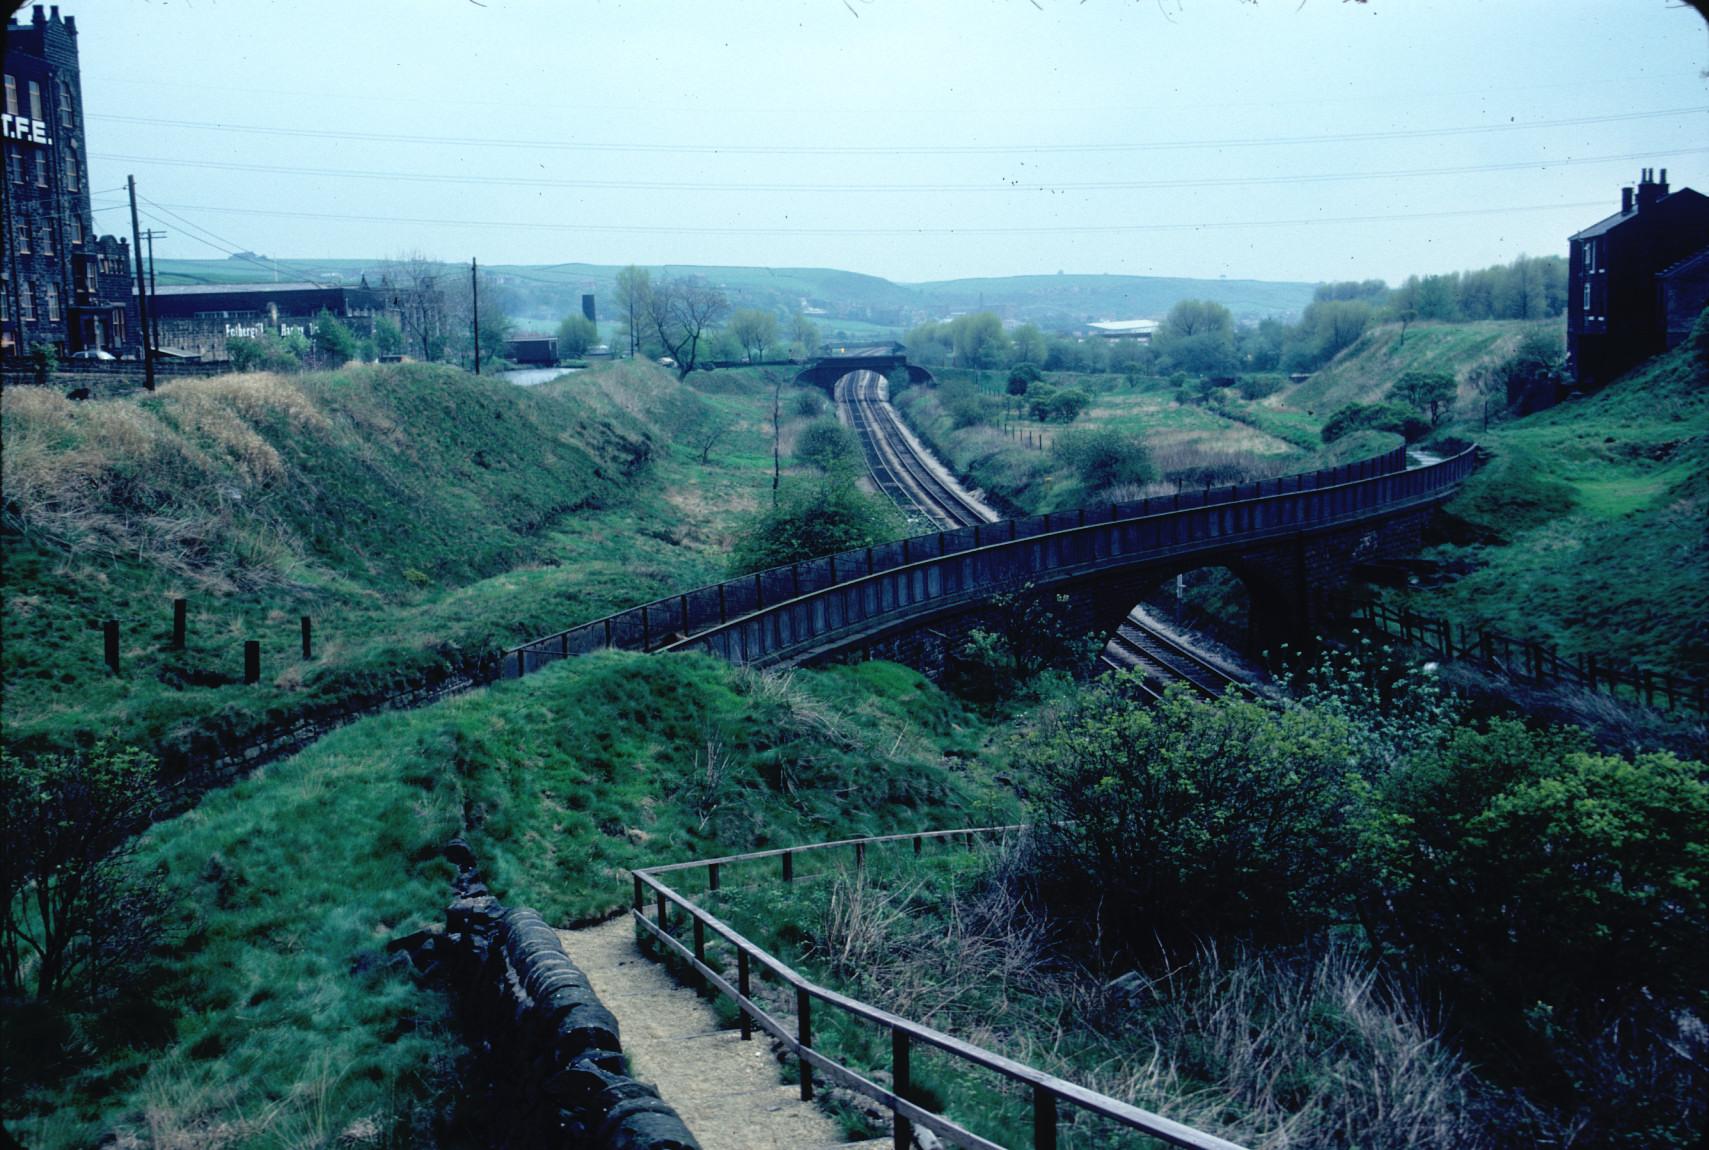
(1290, 540)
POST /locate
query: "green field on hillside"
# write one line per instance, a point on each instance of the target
(423, 518)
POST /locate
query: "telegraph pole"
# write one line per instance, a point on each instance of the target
(475, 292)
(141, 291)
(149, 234)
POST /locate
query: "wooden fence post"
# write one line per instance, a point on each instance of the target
(110, 644)
(903, 1136)
(788, 866)
(252, 661)
(711, 876)
(180, 622)
(746, 992)
(804, 1035)
(308, 640)
(1044, 1119)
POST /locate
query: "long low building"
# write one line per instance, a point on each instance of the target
(198, 319)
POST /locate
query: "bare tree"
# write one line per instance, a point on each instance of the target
(681, 312)
(634, 288)
(415, 286)
(708, 436)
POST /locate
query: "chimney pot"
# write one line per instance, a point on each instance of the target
(37, 16)
(53, 12)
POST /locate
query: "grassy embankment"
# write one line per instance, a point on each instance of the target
(423, 518)
(1586, 528)
(268, 1012)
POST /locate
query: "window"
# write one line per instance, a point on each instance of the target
(1589, 255)
(15, 165)
(71, 175)
(53, 303)
(41, 169)
(11, 95)
(91, 284)
(23, 238)
(35, 100)
(65, 104)
(47, 240)
(1587, 298)
(76, 230)
(26, 303)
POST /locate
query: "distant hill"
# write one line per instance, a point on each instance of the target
(545, 293)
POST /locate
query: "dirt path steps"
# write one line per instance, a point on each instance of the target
(726, 1090)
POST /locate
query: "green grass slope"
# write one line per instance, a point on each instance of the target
(270, 1015)
(1589, 527)
(1364, 372)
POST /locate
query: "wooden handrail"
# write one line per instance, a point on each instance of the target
(1049, 1091)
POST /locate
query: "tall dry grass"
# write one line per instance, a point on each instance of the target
(181, 479)
(1277, 1052)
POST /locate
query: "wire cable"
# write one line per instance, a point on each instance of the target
(1000, 186)
(925, 149)
(688, 229)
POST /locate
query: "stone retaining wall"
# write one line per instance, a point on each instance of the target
(549, 1069)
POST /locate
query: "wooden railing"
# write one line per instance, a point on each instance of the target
(1532, 662)
(1050, 1094)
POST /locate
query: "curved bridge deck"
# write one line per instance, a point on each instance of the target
(811, 610)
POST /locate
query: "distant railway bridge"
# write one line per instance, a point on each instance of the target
(839, 359)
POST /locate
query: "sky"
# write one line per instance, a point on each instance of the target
(912, 139)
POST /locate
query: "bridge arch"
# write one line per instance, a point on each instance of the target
(825, 371)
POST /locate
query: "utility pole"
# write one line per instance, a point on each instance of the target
(150, 235)
(475, 293)
(141, 291)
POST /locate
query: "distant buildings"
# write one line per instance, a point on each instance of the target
(1631, 278)
(535, 349)
(60, 283)
(200, 318)
(1135, 329)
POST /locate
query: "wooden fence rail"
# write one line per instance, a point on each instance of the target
(1531, 661)
(1050, 1094)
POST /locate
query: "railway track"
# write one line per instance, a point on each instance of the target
(905, 473)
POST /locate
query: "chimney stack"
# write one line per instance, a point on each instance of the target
(37, 16)
(1650, 191)
(1625, 201)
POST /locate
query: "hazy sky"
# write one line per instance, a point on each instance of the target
(914, 139)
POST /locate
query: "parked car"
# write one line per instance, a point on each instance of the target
(93, 353)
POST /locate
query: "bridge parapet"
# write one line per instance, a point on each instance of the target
(807, 610)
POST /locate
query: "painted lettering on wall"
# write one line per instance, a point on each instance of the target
(23, 128)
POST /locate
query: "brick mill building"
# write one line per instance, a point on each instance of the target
(61, 284)
(1631, 276)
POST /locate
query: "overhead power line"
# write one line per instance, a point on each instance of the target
(878, 150)
(228, 246)
(486, 179)
(689, 229)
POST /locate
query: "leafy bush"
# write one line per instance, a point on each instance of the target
(1104, 458)
(1022, 376)
(1254, 387)
(828, 446)
(264, 353)
(967, 406)
(811, 520)
(809, 404)
(1187, 818)
(1377, 417)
